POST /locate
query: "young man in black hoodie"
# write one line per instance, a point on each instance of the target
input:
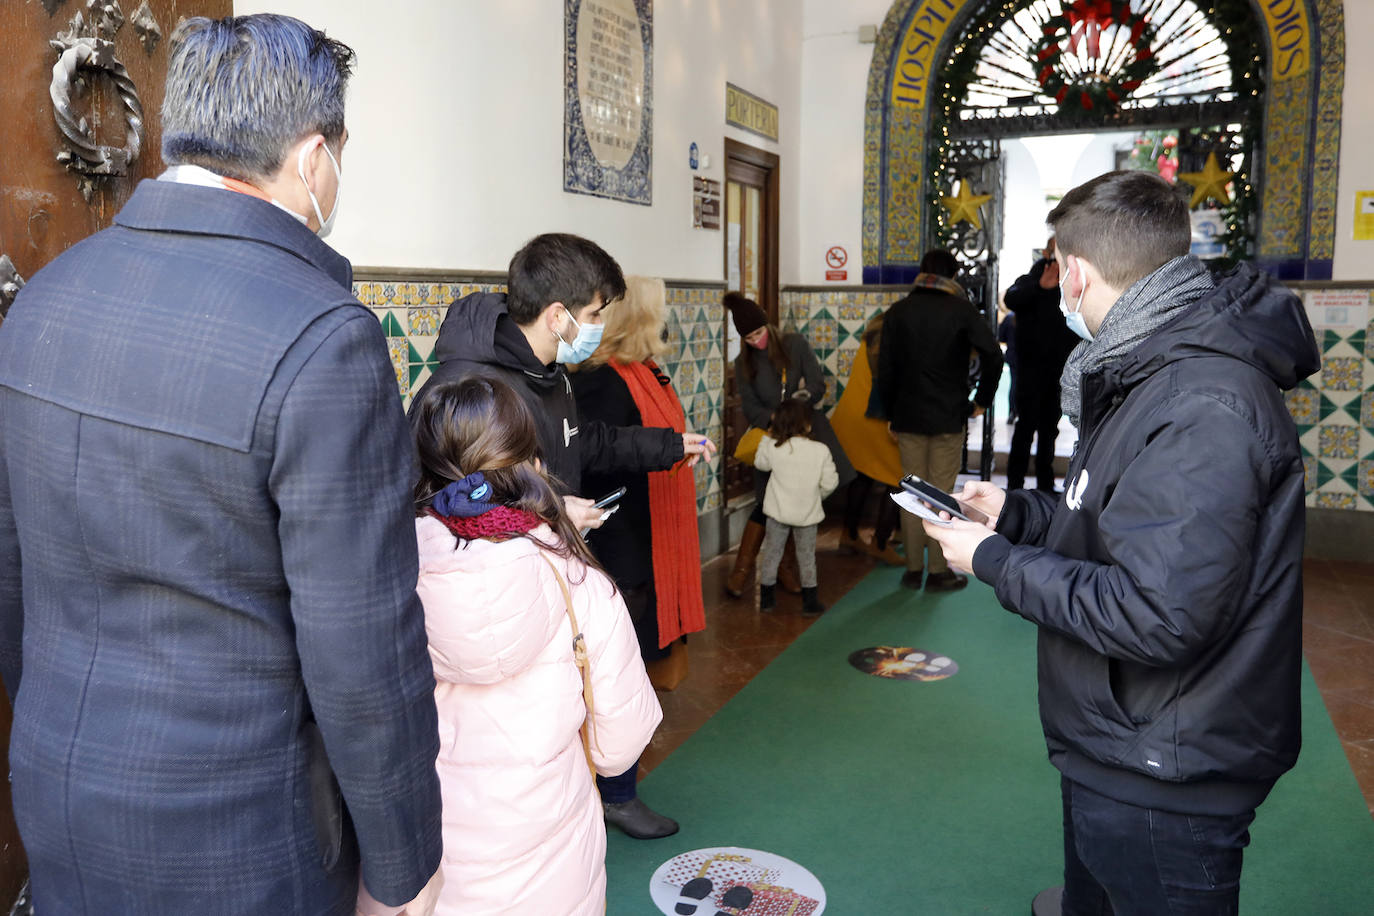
(558, 286)
(1167, 581)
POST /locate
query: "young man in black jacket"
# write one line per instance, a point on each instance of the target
(558, 286)
(1167, 582)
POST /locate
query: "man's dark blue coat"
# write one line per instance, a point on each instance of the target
(207, 548)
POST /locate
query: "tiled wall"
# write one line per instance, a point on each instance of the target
(1334, 410)
(833, 320)
(411, 312)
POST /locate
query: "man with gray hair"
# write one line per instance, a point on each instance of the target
(223, 699)
(1167, 581)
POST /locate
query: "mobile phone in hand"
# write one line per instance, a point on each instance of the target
(941, 501)
(609, 498)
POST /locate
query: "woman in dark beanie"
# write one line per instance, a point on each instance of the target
(772, 366)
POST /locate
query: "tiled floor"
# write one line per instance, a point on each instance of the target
(1338, 637)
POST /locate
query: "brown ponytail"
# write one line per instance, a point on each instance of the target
(481, 424)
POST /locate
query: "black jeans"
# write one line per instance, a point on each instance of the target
(1120, 860)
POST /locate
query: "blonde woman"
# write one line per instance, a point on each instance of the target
(621, 384)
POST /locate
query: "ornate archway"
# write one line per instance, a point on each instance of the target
(910, 100)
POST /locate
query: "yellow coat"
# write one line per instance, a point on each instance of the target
(864, 439)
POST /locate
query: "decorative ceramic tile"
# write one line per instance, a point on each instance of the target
(424, 321)
(1310, 471)
(1339, 442)
(1328, 500)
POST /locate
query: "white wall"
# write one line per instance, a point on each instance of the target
(834, 85)
(457, 125)
(1355, 260)
(456, 121)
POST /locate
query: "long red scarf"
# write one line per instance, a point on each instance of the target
(674, 543)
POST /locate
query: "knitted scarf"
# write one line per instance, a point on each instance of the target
(1149, 304)
(465, 508)
(674, 545)
(943, 284)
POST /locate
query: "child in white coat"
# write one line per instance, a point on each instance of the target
(500, 563)
(802, 474)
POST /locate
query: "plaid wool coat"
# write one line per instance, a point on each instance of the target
(206, 547)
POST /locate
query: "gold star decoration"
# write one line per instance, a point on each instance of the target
(1210, 182)
(965, 206)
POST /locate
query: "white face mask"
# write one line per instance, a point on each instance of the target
(1074, 319)
(326, 225)
(583, 344)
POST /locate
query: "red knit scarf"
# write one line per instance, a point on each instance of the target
(674, 544)
(500, 524)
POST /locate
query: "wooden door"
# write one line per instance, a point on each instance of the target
(111, 62)
(751, 267)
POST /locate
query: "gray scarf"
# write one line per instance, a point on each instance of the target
(1148, 305)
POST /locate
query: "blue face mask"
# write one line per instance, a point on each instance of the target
(1074, 319)
(583, 345)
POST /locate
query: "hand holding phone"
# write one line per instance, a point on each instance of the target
(940, 501)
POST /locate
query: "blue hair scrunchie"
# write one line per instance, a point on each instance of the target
(465, 498)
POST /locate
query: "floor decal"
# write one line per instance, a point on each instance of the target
(731, 881)
(903, 663)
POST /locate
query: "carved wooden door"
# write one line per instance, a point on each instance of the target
(79, 100)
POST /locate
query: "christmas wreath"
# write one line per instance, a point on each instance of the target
(1106, 81)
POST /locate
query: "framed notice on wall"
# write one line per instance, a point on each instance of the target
(608, 116)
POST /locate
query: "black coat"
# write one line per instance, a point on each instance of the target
(923, 366)
(622, 543)
(478, 337)
(1043, 340)
(1167, 583)
(761, 393)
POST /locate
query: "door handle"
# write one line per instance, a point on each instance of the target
(82, 153)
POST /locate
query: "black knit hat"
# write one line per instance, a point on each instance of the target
(746, 313)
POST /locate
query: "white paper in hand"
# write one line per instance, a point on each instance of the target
(913, 504)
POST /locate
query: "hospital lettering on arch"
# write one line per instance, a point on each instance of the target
(1290, 45)
(915, 62)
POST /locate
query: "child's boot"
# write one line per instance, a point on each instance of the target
(811, 604)
(767, 601)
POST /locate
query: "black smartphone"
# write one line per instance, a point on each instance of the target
(941, 501)
(609, 498)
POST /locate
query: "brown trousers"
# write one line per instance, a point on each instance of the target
(934, 459)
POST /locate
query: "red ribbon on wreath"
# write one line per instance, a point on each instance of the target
(1087, 19)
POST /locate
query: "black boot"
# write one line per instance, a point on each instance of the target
(638, 820)
(767, 600)
(811, 605)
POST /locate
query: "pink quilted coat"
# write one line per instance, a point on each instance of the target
(523, 829)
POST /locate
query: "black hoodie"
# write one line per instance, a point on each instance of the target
(1167, 581)
(478, 337)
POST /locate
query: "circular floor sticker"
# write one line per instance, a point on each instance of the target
(737, 882)
(903, 663)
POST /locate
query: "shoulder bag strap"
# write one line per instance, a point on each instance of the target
(582, 662)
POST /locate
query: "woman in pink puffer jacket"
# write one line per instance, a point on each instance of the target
(523, 827)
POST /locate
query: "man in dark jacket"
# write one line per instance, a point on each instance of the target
(922, 391)
(1167, 584)
(207, 542)
(1042, 344)
(558, 286)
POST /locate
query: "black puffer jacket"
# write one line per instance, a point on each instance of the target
(1167, 582)
(478, 337)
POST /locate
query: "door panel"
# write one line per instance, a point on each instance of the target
(43, 210)
(751, 267)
